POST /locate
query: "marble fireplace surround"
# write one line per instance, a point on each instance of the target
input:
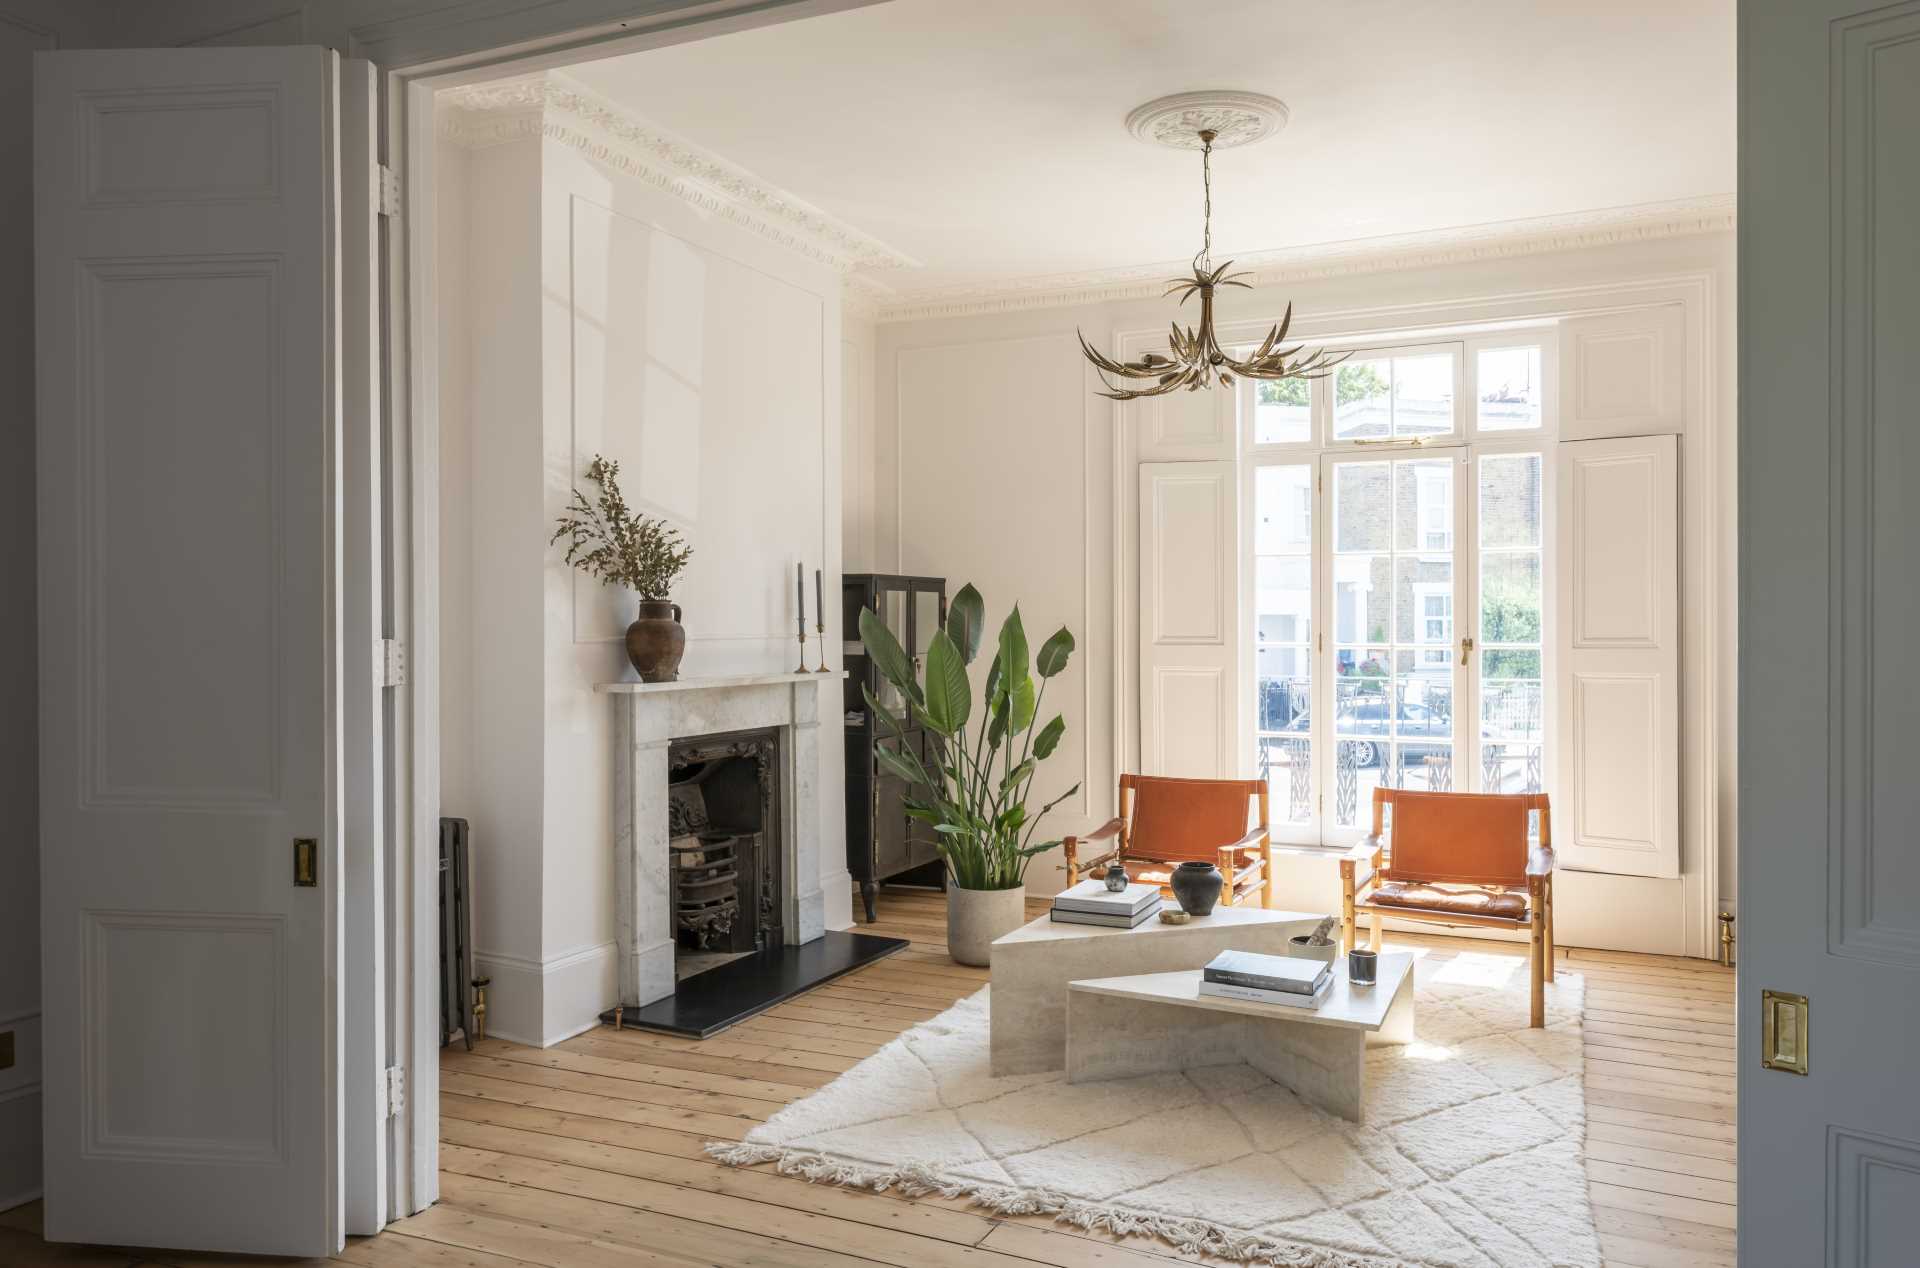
(649, 717)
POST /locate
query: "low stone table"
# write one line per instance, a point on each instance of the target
(1119, 1027)
(1033, 964)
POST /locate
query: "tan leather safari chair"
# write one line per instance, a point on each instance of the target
(1163, 822)
(1457, 859)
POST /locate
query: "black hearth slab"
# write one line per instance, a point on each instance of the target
(707, 1003)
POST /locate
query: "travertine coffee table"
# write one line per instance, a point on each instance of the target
(1119, 1027)
(1033, 964)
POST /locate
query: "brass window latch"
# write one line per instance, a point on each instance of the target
(1466, 649)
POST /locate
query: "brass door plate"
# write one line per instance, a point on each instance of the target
(306, 862)
(1783, 1031)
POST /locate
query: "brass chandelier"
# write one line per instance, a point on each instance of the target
(1198, 360)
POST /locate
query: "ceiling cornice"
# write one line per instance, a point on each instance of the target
(557, 107)
(1497, 240)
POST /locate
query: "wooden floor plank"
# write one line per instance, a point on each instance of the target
(592, 1153)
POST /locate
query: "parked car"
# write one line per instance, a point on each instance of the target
(1369, 717)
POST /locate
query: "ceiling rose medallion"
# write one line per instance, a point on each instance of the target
(1207, 121)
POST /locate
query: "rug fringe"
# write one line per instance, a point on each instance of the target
(1195, 1237)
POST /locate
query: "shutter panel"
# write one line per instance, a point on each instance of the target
(1189, 625)
(1617, 808)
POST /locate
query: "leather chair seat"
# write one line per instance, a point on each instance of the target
(1463, 902)
(1149, 871)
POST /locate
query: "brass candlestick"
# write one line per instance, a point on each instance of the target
(1726, 938)
(822, 631)
(801, 668)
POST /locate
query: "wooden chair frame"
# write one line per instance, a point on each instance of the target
(1243, 877)
(1376, 852)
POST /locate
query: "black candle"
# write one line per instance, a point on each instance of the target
(800, 594)
(819, 602)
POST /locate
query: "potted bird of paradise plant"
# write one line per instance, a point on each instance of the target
(972, 787)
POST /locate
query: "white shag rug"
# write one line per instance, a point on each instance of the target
(1471, 1156)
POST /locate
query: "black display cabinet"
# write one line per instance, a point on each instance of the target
(883, 844)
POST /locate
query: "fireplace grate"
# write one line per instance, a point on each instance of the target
(706, 888)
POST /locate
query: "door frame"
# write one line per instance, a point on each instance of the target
(415, 59)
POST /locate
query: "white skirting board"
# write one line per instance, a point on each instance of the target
(542, 1003)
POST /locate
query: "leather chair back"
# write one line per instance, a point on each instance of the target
(1459, 838)
(1178, 819)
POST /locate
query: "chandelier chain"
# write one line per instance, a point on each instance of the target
(1206, 199)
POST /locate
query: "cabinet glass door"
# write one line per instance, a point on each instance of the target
(926, 622)
(893, 613)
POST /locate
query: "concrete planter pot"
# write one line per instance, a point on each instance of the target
(975, 917)
(1300, 949)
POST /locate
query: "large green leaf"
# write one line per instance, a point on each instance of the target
(899, 764)
(1013, 777)
(1013, 653)
(1054, 652)
(1021, 708)
(966, 619)
(887, 716)
(949, 694)
(888, 656)
(1049, 738)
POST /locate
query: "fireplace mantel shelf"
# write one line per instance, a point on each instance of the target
(697, 684)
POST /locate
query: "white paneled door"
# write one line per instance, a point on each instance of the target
(1618, 803)
(1189, 619)
(1829, 975)
(190, 561)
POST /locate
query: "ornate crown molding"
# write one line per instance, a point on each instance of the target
(1496, 240)
(561, 109)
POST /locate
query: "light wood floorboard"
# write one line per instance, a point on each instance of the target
(590, 1153)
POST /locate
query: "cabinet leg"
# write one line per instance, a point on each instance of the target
(868, 892)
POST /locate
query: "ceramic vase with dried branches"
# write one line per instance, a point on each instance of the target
(609, 542)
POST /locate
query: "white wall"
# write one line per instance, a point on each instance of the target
(857, 459)
(995, 464)
(592, 313)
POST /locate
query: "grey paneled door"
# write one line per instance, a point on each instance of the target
(1829, 614)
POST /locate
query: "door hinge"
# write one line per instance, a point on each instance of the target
(389, 191)
(395, 1085)
(392, 660)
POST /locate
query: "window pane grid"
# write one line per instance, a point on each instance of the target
(1510, 633)
(1283, 636)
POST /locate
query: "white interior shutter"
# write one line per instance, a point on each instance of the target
(1617, 807)
(1189, 627)
(1623, 374)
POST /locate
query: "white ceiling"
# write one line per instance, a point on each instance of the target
(984, 138)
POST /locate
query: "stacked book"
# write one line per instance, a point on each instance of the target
(1267, 979)
(1092, 903)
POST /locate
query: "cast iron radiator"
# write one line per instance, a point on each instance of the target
(456, 969)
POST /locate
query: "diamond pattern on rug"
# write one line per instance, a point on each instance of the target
(1471, 1156)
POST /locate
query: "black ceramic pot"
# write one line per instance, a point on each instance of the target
(1196, 887)
(1116, 878)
